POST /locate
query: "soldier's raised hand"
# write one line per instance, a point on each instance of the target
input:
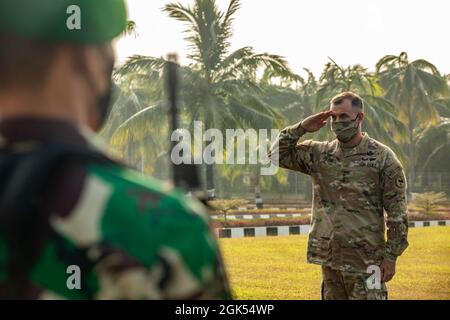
(316, 121)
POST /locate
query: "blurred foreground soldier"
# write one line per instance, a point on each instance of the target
(354, 178)
(73, 223)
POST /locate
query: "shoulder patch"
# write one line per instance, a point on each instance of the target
(399, 181)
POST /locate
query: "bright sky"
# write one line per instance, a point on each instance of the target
(306, 32)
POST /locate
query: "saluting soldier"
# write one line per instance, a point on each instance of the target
(355, 178)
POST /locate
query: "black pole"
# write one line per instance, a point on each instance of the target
(185, 175)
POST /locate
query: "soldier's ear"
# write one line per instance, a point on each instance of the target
(359, 119)
(361, 116)
(92, 64)
(95, 67)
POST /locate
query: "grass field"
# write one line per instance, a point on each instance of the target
(275, 267)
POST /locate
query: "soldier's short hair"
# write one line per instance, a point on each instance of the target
(23, 62)
(357, 101)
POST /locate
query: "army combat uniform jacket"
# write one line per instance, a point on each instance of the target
(123, 235)
(351, 187)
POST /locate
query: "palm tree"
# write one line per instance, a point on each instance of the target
(433, 148)
(126, 130)
(218, 87)
(413, 87)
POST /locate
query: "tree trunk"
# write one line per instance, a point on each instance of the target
(210, 185)
(411, 175)
(257, 183)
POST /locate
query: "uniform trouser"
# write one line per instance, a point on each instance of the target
(339, 285)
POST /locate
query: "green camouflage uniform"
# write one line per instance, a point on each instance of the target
(130, 236)
(351, 187)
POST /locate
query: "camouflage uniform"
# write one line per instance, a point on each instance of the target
(351, 187)
(132, 237)
(342, 285)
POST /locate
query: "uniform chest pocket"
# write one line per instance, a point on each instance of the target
(329, 166)
(363, 170)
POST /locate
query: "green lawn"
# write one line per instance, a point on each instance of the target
(275, 267)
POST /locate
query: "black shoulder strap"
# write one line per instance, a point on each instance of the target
(24, 176)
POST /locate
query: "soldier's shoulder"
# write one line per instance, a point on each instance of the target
(150, 194)
(150, 221)
(384, 153)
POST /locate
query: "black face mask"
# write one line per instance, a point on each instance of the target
(104, 101)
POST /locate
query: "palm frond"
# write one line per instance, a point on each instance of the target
(140, 64)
